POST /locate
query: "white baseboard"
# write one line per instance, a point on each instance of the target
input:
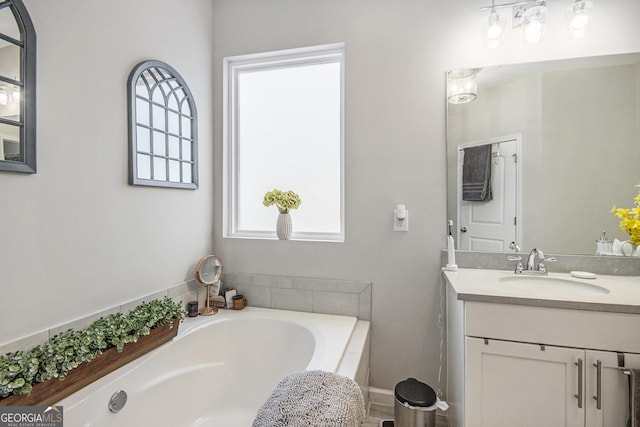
(381, 396)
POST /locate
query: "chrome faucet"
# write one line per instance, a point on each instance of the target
(536, 263)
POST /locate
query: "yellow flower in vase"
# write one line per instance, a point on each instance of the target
(630, 220)
(284, 200)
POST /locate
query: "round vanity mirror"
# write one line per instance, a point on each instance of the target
(208, 272)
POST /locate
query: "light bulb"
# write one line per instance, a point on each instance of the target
(533, 23)
(533, 32)
(496, 29)
(579, 21)
(578, 17)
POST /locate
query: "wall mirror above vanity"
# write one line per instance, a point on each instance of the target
(564, 140)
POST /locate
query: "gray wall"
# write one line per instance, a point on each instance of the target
(396, 57)
(75, 238)
(394, 154)
(605, 119)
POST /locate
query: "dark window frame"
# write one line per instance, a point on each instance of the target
(157, 75)
(27, 82)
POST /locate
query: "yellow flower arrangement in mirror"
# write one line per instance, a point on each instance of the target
(630, 220)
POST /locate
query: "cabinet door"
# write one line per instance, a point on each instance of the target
(526, 385)
(608, 401)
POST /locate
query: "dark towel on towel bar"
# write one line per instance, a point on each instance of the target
(476, 174)
(634, 398)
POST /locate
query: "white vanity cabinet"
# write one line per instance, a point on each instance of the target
(532, 366)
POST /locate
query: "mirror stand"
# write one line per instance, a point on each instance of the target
(207, 310)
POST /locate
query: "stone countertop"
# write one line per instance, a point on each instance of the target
(617, 294)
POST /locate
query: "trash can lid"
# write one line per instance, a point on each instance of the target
(415, 393)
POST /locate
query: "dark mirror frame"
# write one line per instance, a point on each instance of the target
(166, 70)
(28, 101)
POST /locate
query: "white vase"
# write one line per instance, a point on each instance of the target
(284, 226)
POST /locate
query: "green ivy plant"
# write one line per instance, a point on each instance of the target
(20, 370)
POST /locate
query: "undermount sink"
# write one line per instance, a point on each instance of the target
(552, 284)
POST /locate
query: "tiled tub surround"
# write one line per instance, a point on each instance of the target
(325, 296)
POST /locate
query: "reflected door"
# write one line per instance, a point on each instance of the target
(491, 225)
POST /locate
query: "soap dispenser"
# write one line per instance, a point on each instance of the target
(603, 245)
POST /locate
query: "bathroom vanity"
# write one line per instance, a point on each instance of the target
(533, 351)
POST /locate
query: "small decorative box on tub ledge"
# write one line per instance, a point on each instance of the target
(72, 359)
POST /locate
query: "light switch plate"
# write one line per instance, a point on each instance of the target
(400, 225)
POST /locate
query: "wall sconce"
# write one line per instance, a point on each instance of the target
(462, 86)
(531, 16)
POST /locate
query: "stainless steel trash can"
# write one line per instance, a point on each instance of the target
(415, 404)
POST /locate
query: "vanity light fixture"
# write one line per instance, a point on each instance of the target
(531, 17)
(462, 86)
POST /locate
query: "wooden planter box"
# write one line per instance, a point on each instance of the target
(53, 390)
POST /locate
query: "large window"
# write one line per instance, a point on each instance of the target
(284, 128)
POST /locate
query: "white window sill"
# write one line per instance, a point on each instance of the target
(302, 237)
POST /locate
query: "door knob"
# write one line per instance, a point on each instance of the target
(463, 229)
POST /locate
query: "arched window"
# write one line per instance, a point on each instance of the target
(163, 143)
(17, 88)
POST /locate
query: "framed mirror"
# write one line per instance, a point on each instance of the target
(17, 89)
(163, 140)
(565, 148)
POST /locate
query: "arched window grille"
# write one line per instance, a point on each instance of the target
(163, 141)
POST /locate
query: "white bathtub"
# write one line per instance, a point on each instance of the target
(219, 370)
